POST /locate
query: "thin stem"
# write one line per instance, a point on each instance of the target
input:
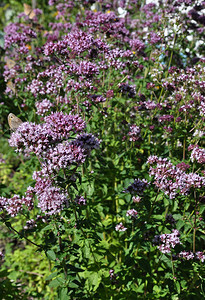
(174, 278)
(21, 235)
(152, 207)
(194, 240)
(194, 232)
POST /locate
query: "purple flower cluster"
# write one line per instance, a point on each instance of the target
(43, 107)
(30, 224)
(182, 166)
(132, 213)
(172, 179)
(50, 198)
(198, 154)
(59, 142)
(18, 33)
(128, 90)
(169, 241)
(63, 156)
(134, 133)
(63, 125)
(15, 204)
(137, 187)
(30, 137)
(97, 98)
(136, 44)
(40, 138)
(87, 141)
(108, 23)
(190, 255)
(75, 43)
(165, 118)
(136, 199)
(84, 68)
(202, 109)
(154, 38)
(120, 227)
(151, 105)
(80, 200)
(48, 81)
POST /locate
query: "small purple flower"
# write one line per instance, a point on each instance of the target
(80, 200)
(113, 276)
(136, 199)
(30, 224)
(165, 118)
(169, 241)
(200, 255)
(182, 166)
(111, 273)
(132, 213)
(2, 160)
(137, 187)
(128, 90)
(15, 204)
(168, 129)
(43, 106)
(120, 227)
(154, 38)
(136, 44)
(134, 133)
(198, 154)
(171, 179)
(62, 156)
(50, 198)
(109, 94)
(187, 255)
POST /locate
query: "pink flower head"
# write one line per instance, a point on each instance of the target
(132, 213)
(120, 227)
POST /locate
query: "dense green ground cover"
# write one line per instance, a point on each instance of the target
(102, 183)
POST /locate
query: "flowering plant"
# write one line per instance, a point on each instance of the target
(103, 180)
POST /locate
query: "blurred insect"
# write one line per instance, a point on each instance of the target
(10, 63)
(11, 86)
(29, 11)
(14, 122)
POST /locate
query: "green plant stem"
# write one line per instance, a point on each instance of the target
(85, 237)
(8, 225)
(194, 232)
(152, 207)
(174, 278)
(194, 240)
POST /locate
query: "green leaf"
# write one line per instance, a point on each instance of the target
(144, 264)
(64, 294)
(48, 227)
(51, 276)
(51, 255)
(57, 282)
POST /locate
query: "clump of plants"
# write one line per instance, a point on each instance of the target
(103, 176)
